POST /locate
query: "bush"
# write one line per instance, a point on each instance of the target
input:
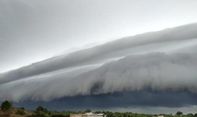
(58, 115)
(41, 109)
(190, 115)
(20, 112)
(179, 113)
(41, 114)
(6, 105)
(87, 111)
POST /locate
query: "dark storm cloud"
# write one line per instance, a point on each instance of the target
(147, 98)
(146, 101)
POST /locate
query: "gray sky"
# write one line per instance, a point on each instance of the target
(33, 30)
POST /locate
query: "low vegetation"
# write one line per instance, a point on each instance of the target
(6, 106)
(7, 110)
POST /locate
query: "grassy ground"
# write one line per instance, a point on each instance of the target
(15, 112)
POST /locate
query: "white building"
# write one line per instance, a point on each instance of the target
(90, 114)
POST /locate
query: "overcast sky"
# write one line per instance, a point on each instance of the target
(33, 30)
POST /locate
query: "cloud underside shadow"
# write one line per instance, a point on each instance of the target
(145, 98)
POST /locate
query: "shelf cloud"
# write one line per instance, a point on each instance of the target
(157, 64)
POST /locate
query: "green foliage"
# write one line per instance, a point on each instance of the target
(67, 113)
(22, 108)
(41, 109)
(87, 111)
(125, 114)
(190, 115)
(179, 113)
(20, 112)
(58, 115)
(6, 105)
(41, 112)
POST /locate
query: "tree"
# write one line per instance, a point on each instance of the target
(6, 105)
(179, 113)
(190, 115)
(20, 112)
(41, 109)
(41, 112)
(87, 111)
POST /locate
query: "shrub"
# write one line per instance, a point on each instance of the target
(87, 111)
(6, 105)
(179, 113)
(41, 109)
(41, 114)
(58, 115)
(20, 112)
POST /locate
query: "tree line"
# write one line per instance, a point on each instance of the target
(40, 111)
